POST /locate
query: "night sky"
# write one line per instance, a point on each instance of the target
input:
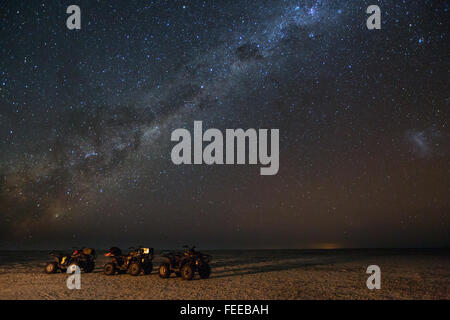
(86, 117)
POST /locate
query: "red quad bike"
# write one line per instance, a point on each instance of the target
(83, 258)
(134, 263)
(186, 264)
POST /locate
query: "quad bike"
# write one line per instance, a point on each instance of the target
(185, 264)
(136, 261)
(83, 258)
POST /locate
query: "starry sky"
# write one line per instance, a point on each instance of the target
(86, 117)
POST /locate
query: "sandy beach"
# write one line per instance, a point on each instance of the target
(261, 274)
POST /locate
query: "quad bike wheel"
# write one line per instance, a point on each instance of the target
(135, 268)
(187, 272)
(164, 270)
(109, 269)
(204, 271)
(51, 267)
(148, 268)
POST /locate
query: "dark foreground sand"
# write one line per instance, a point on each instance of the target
(267, 274)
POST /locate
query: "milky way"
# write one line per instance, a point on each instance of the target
(86, 117)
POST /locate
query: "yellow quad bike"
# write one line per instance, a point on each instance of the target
(83, 258)
(136, 261)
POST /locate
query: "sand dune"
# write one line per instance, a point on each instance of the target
(266, 274)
